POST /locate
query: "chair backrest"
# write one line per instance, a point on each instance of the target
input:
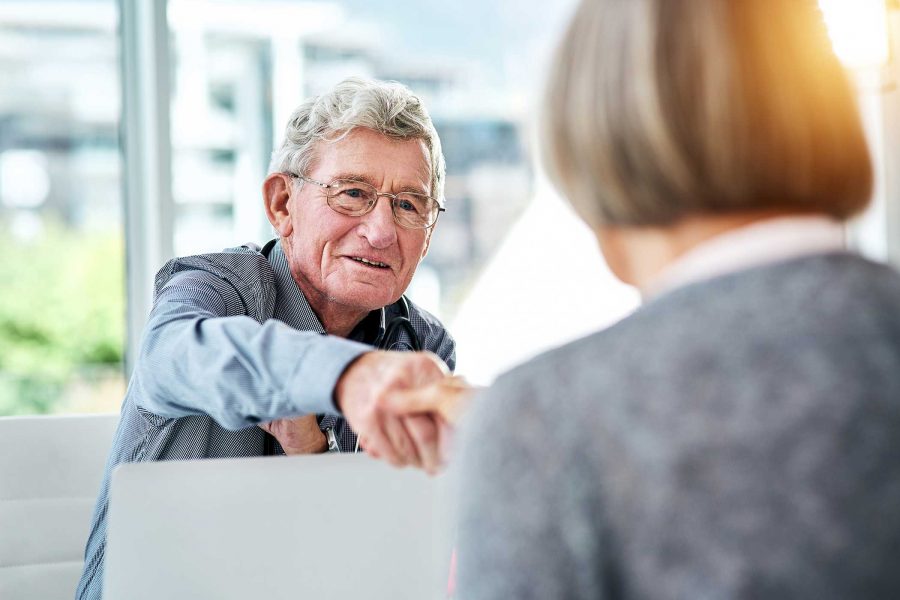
(50, 473)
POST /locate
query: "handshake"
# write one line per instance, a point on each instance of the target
(402, 405)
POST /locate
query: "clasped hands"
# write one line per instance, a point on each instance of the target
(403, 406)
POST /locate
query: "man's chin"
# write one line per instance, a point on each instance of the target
(364, 298)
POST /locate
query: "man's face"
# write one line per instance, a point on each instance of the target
(324, 247)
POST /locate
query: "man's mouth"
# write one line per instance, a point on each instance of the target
(371, 263)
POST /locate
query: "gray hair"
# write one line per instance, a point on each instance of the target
(657, 110)
(387, 107)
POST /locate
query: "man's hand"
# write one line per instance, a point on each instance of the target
(363, 394)
(300, 435)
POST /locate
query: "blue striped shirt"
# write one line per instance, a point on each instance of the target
(231, 342)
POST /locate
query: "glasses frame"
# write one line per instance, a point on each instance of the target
(327, 186)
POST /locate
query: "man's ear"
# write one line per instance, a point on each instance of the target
(277, 190)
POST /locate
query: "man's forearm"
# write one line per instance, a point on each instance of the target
(234, 369)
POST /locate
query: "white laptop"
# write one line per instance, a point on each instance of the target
(318, 527)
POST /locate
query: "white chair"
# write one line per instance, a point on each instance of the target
(50, 472)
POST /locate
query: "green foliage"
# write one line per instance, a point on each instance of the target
(62, 311)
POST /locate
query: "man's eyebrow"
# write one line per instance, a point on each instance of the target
(366, 179)
(415, 190)
(354, 177)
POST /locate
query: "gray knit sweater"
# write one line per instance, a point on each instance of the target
(734, 438)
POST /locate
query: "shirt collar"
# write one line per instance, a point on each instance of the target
(760, 243)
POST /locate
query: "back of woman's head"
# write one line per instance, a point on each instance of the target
(661, 109)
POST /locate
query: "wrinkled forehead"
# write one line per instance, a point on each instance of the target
(371, 156)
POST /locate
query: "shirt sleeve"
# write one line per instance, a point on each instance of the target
(196, 360)
(528, 523)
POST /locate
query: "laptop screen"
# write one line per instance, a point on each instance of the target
(322, 526)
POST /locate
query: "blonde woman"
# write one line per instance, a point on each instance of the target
(739, 435)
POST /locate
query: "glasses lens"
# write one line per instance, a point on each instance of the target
(351, 197)
(415, 210)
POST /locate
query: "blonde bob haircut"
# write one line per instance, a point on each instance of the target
(661, 109)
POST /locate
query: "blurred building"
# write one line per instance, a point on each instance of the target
(59, 116)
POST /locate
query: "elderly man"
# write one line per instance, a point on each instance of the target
(235, 360)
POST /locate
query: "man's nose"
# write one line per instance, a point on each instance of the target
(378, 226)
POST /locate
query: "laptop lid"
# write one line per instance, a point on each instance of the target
(324, 526)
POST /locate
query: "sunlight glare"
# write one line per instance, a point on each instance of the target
(858, 31)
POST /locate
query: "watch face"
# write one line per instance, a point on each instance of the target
(332, 440)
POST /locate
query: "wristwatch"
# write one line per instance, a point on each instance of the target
(333, 445)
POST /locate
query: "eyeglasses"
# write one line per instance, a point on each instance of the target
(357, 198)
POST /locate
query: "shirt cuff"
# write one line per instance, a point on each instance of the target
(317, 375)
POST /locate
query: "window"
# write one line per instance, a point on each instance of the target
(511, 270)
(62, 305)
